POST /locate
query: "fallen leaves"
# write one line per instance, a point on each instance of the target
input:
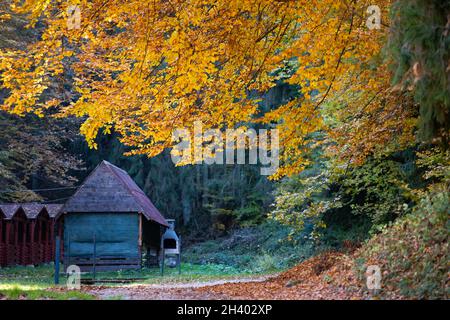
(326, 276)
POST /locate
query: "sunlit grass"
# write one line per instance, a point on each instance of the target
(14, 291)
(38, 282)
(25, 282)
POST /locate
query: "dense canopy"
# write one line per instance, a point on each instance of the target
(145, 68)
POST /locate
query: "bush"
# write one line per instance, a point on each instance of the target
(265, 263)
(413, 253)
(264, 247)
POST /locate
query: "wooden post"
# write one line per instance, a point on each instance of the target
(32, 245)
(8, 232)
(140, 239)
(67, 254)
(39, 242)
(16, 241)
(61, 236)
(49, 241)
(24, 238)
(8, 242)
(140, 231)
(52, 239)
(95, 257)
(179, 254)
(57, 249)
(16, 232)
(46, 240)
(162, 262)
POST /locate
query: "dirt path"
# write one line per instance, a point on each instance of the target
(327, 276)
(173, 291)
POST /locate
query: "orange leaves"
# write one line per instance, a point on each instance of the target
(148, 67)
(326, 276)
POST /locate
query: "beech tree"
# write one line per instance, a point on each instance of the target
(147, 67)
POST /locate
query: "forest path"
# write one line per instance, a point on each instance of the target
(170, 291)
(329, 275)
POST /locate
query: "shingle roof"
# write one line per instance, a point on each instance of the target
(110, 189)
(53, 209)
(9, 210)
(148, 208)
(31, 210)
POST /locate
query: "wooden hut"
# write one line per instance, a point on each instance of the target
(2, 239)
(109, 221)
(27, 233)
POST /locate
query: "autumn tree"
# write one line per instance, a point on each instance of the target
(147, 67)
(33, 152)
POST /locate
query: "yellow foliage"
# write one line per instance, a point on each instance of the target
(147, 67)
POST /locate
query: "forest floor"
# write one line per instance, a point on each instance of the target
(326, 276)
(329, 275)
(175, 291)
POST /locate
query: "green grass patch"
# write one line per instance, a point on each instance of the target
(14, 291)
(26, 282)
(189, 273)
(28, 275)
(37, 282)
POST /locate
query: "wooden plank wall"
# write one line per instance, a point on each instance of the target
(116, 237)
(27, 241)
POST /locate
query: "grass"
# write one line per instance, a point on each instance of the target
(37, 282)
(34, 283)
(27, 275)
(189, 273)
(14, 291)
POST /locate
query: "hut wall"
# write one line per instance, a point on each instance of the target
(116, 241)
(2, 241)
(27, 235)
(42, 242)
(16, 242)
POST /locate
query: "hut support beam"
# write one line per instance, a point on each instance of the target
(8, 245)
(32, 242)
